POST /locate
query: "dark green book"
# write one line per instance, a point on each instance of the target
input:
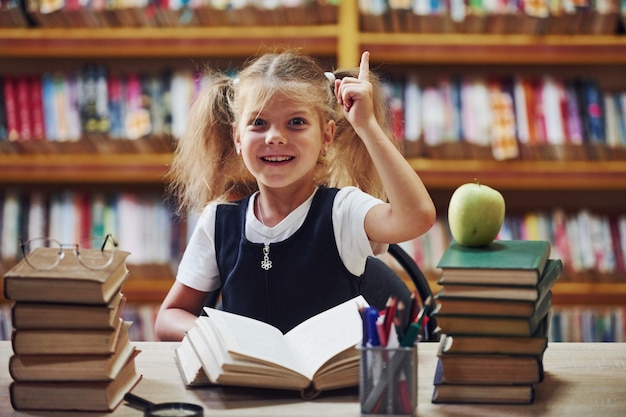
(510, 262)
(553, 270)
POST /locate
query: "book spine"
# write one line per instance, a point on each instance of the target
(11, 108)
(4, 134)
(36, 107)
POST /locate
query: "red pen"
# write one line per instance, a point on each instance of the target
(389, 315)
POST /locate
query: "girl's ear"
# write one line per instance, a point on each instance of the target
(328, 135)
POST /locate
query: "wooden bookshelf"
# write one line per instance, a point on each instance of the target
(528, 175)
(91, 168)
(135, 168)
(163, 41)
(407, 48)
(480, 49)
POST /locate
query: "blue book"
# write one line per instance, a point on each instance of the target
(620, 102)
(592, 111)
(50, 120)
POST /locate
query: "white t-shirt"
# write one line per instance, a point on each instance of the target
(198, 266)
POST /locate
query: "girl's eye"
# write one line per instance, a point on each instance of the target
(297, 121)
(258, 122)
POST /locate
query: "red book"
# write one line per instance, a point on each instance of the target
(574, 127)
(23, 107)
(36, 107)
(10, 104)
(82, 209)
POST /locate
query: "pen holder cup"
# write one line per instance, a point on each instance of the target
(388, 381)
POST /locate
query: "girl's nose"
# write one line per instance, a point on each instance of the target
(275, 137)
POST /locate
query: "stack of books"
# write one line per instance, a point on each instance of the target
(71, 348)
(493, 312)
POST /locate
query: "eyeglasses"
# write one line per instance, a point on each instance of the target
(94, 253)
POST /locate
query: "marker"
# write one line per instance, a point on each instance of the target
(371, 316)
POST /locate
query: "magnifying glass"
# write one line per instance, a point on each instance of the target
(173, 409)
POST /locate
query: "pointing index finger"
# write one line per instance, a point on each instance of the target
(364, 67)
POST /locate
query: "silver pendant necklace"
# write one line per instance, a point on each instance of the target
(266, 263)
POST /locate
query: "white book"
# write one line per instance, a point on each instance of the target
(10, 225)
(521, 116)
(552, 95)
(412, 108)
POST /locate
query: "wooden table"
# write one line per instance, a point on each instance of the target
(582, 379)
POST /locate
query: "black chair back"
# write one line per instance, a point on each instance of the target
(380, 281)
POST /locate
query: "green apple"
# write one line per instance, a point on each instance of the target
(475, 214)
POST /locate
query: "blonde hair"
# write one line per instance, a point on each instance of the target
(206, 166)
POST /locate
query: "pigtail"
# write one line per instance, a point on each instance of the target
(205, 165)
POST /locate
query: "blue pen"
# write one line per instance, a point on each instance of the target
(371, 315)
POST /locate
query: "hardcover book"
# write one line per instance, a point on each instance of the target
(495, 325)
(535, 344)
(74, 367)
(510, 262)
(483, 394)
(477, 306)
(102, 396)
(486, 369)
(25, 315)
(69, 282)
(72, 341)
(552, 272)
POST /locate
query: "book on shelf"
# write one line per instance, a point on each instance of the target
(69, 282)
(510, 262)
(494, 325)
(488, 369)
(31, 315)
(74, 367)
(65, 341)
(535, 344)
(102, 396)
(12, 15)
(318, 354)
(552, 272)
(483, 394)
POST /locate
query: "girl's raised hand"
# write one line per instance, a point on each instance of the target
(355, 94)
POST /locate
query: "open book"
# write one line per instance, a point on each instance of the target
(318, 354)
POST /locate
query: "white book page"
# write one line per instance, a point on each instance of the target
(323, 336)
(255, 339)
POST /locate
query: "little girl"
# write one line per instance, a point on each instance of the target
(299, 181)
